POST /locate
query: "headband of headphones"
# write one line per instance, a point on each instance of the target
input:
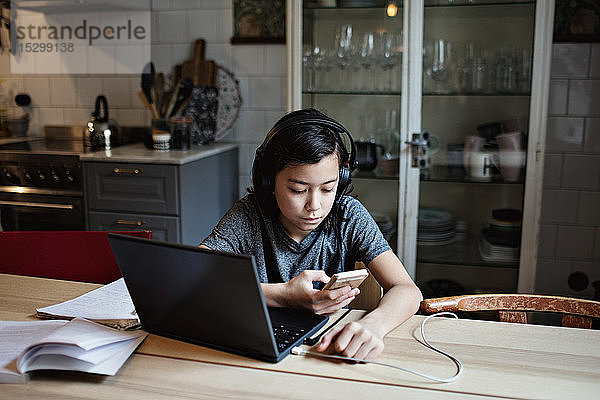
(322, 121)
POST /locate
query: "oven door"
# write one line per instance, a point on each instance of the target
(36, 212)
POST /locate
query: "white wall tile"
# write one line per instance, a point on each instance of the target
(275, 60)
(244, 91)
(589, 208)
(50, 116)
(584, 98)
(557, 103)
(551, 277)
(564, 134)
(267, 93)
(547, 247)
(575, 242)
(87, 90)
(39, 91)
(128, 117)
(220, 54)
(162, 57)
(250, 127)
(76, 116)
(570, 60)
(581, 172)
(592, 136)
(62, 92)
(203, 24)
(172, 26)
(247, 60)
(161, 4)
(552, 170)
(559, 206)
(117, 91)
(595, 61)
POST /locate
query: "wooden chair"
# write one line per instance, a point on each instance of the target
(71, 255)
(370, 293)
(576, 313)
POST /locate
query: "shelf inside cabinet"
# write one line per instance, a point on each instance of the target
(458, 253)
(458, 175)
(353, 92)
(312, 5)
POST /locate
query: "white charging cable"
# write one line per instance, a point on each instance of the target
(299, 351)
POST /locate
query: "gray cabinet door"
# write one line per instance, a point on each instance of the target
(142, 188)
(162, 227)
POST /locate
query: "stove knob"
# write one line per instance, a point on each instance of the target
(41, 176)
(28, 177)
(10, 177)
(69, 177)
(54, 176)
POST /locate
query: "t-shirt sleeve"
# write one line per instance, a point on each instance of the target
(233, 233)
(365, 240)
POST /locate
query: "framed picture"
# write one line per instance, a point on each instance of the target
(258, 21)
(577, 21)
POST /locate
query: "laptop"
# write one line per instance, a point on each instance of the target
(209, 298)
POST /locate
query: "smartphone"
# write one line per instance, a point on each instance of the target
(348, 278)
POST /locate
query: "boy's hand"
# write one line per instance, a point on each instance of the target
(301, 294)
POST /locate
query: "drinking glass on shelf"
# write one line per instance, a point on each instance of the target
(465, 69)
(343, 54)
(321, 64)
(525, 71)
(389, 55)
(308, 60)
(506, 71)
(481, 77)
(367, 59)
(438, 67)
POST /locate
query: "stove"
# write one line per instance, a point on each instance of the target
(41, 182)
(42, 166)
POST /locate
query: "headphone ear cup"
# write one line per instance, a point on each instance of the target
(344, 180)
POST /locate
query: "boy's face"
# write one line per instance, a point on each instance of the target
(305, 195)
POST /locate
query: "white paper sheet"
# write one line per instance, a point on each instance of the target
(108, 302)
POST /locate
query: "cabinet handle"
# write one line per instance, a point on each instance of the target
(128, 171)
(130, 223)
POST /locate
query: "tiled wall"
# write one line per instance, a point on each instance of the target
(570, 220)
(260, 69)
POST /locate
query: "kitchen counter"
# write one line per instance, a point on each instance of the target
(138, 153)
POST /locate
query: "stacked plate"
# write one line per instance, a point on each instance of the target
(435, 227)
(501, 239)
(385, 224)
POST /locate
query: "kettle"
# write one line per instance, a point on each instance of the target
(100, 131)
(366, 155)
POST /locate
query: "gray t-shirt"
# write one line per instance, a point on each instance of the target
(244, 230)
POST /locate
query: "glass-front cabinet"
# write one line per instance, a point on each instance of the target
(446, 101)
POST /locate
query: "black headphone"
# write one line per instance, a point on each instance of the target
(266, 180)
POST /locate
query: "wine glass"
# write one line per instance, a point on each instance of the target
(388, 56)
(438, 63)
(343, 53)
(367, 59)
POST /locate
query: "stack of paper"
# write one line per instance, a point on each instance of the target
(77, 345)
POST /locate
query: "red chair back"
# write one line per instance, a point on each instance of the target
(82, 256)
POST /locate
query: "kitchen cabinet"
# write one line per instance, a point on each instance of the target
(180, 195)
(440, 88)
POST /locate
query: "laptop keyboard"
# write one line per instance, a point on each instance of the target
(286, 335)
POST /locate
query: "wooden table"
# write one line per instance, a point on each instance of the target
(501, 360)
